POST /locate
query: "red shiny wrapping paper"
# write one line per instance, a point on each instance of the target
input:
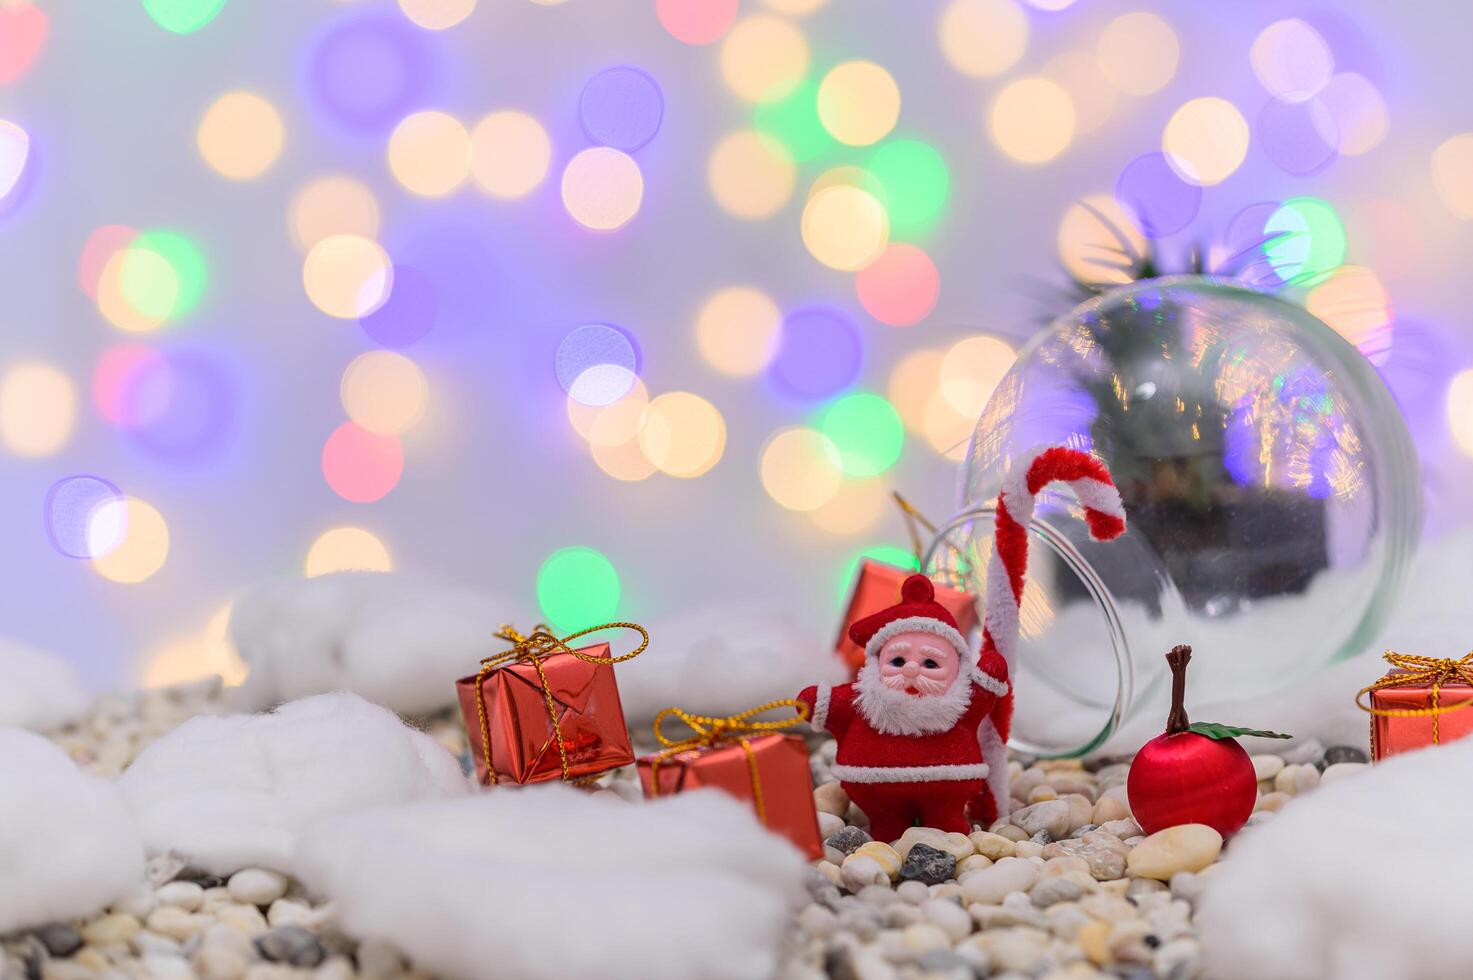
(1390, 735)
(876, 587)
(523, 750)
(782, 767)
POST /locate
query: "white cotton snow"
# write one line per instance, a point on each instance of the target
(38, 691)
(397, 640)
(1281, 636)
(228, 792)
(549, 882)
(1364, 879)
(723, 659)
(68, 846)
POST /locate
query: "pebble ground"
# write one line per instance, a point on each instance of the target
(1066, 888)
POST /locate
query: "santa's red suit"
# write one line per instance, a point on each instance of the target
(908, 760)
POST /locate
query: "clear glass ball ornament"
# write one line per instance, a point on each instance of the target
(1272, 497)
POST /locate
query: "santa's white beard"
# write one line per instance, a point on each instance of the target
(895, 712)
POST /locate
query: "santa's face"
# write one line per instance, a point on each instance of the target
(918, 664)
(914, 686)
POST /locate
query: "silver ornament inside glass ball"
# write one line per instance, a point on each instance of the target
(1271, 490)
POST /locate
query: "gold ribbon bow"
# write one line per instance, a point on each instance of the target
(708, 731)
(534, 648)
(1433, 671)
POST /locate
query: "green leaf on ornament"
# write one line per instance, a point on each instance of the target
(1215, 731)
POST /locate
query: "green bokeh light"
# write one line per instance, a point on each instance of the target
(915, 184)
(1308, 240)
(889, 554)
(182, 16)
(793, 120)
(577, 588)
(163, 275)
(867, 431)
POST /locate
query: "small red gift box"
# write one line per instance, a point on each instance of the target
(769, 771)
(548, 711)
(1421, 701)
(876, 587)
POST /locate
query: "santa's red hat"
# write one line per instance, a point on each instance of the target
(919, 612)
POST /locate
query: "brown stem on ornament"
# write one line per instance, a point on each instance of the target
(1177, 721)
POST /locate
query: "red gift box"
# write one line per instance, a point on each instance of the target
(1421, 701)
(768, 770)
(877, 587)
(549, 711)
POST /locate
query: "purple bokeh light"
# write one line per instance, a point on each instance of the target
(70, 505)
(459, 269)
(597, 364)
(1418, 369)
(1160, 202)
(621, 107)
(370, 71)
(408, 315)
(25, 183)
(819, 354)
(181, 407)
(1299, 137)
(1245, 244)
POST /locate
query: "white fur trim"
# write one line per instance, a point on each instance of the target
(989, 683)
(917, 624)
(1002, 609)
(1097, 495)
(909, 774)
(895, 713)
(996, 754)
(821, 707)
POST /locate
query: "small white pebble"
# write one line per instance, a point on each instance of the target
(859, 870)
(914, 892)
(335, 968)
(948, 916)
(161, 967)
(185, 894)
(924, 938)
(288, 912)
(177, 924)
(257, 886)
(244, 919)
(877, 894)
(1266, 766)
(1340, 770)
(115, 928)
(815, 920)
(831, 798)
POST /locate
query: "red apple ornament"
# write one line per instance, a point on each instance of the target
(1192, 773)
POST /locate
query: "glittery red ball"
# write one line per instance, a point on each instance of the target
(1190, 778)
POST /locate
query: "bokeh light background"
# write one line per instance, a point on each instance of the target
(624, 306)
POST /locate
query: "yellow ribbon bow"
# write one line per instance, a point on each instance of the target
(534, 648)
(708, 731)
(1433, 671)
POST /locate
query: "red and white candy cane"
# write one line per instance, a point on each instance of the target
(1103, 512)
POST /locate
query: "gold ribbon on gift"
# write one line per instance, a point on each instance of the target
(708, 731)
(533, 649)
(1417, 671)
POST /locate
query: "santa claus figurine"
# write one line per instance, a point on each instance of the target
(923, 729)
(909, 750)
